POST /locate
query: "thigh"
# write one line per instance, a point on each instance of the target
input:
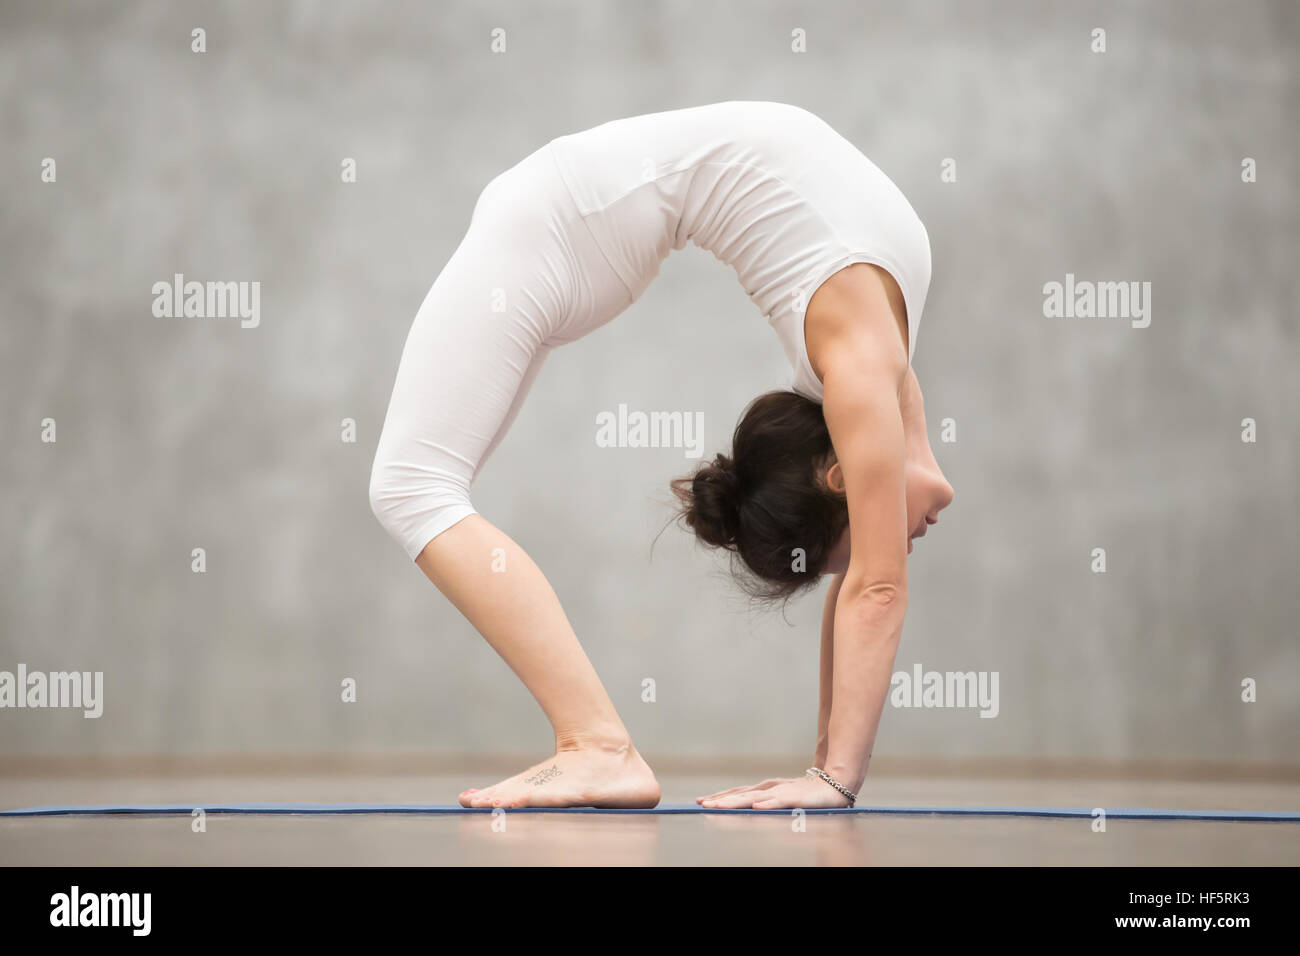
(474, 348)
(521, 393)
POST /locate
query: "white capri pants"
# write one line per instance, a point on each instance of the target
(526, 277)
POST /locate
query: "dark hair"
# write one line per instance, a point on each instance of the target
(769, 497)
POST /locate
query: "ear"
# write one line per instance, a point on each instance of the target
(835, 478)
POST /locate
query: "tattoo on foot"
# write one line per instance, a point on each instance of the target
(542, 776)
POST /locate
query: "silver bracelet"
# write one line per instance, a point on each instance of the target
(818, 774)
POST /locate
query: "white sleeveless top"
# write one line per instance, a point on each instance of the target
(768, 188)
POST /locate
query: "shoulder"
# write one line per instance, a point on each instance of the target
(858, 313)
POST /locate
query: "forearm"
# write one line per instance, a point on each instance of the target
(866, 635)
(825, 694)
(863, 377)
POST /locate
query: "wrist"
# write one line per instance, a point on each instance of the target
(850, 796)
(847, 773)
(819, 754)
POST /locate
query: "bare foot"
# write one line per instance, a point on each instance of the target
(612, 778)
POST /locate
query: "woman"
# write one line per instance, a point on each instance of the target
(834, 477)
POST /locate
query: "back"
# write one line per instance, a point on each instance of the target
(768, 188)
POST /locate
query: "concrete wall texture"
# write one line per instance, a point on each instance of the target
(1070, 434)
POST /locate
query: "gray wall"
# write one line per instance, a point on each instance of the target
(174, 434)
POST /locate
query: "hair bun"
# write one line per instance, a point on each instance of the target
(713, 508)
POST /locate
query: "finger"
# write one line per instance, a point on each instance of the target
(723, 793)
(765, 785)
(736, 801)
(782, 801)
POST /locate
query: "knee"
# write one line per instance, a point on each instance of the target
(378, 477)
(416, 502)
(390, 494)
(380, 507)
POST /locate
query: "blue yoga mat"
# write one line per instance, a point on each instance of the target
(1124, 813)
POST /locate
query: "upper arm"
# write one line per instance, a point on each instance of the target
(864, 369)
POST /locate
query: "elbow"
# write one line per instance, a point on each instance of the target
(883, 594)
(877, 599)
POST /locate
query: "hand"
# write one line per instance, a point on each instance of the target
(777, 794)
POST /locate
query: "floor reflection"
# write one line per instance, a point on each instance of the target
(697, 839)
(556, 839)
(800, 839)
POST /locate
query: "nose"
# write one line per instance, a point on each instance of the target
(943, 500)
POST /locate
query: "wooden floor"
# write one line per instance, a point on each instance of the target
(636, 840)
